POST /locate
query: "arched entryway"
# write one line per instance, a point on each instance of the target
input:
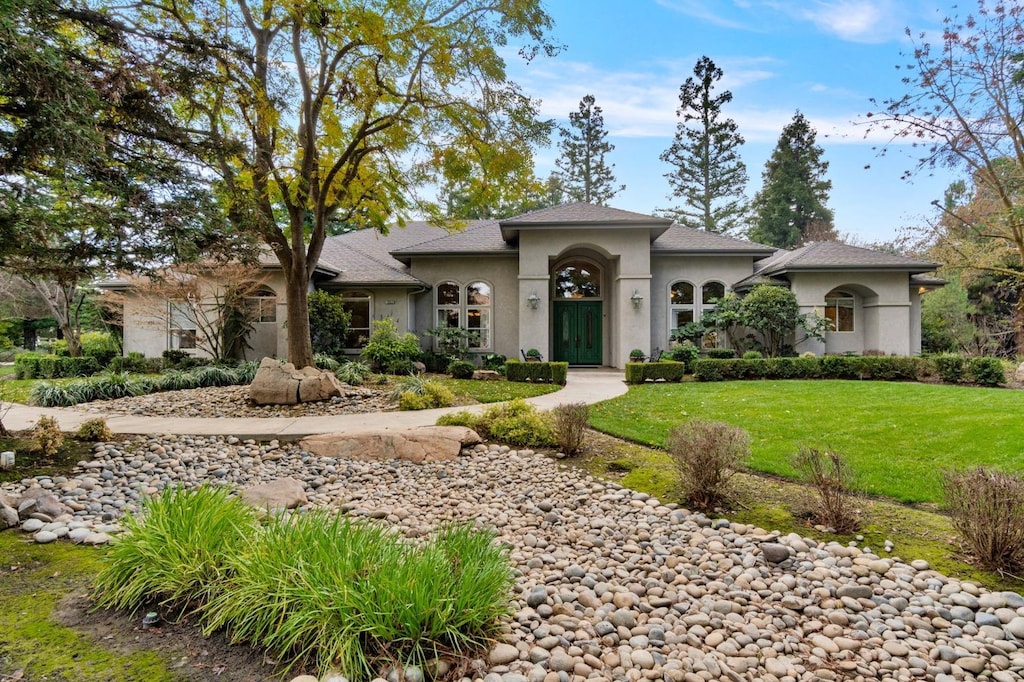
(577, 310)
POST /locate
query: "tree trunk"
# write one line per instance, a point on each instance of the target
(300, 346)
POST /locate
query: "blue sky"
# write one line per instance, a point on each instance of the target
(826, 58)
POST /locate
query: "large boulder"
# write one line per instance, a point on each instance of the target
(282, 384)
(284, 493)
(419, 445)
(1018, 374)
(37, 502)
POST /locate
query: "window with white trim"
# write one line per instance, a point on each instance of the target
(181, 326)
(681, 305)
(357, 304)
(263, 305)
(839, 305)
(469, 308)
(478, 313)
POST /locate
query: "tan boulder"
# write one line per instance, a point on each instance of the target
(486, 375)
(1018, 374)
(282, 384)
(284, 493)
(420, 445)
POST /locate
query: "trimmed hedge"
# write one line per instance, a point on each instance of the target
(878, 368)
(543, 372)
(666, 370)
(31, 366)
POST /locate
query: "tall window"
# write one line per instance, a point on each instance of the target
(681, 305)
(578, 279)
(181, 325)
(839, 310)
(357, 305)
(478, 313)
(263, 305)
(469, 308)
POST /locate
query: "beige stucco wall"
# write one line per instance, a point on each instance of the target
(625, 256)
(883, 308)
(498, 271)
(697, 270)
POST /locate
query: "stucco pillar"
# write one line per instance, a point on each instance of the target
(534, 328)
(633, 324)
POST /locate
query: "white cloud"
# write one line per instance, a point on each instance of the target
(701, 9)
(860, 21)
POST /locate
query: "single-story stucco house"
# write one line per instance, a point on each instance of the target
(579, 282)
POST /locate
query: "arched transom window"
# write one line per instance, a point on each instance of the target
(578, 279)
(839, 305)
(688, 303)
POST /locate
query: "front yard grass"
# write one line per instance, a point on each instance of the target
(897, 437)
(469, 390)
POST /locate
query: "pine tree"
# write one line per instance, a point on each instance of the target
(583, 173)
(792, 200)
(709, 176)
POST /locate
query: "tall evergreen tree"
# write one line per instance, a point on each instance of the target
(792, 200)
(708, 176)
(584, 174)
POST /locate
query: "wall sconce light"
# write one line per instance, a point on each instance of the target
(533, 300)
(637, 299)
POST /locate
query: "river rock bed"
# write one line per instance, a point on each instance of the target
(233, 401)
(610, 583)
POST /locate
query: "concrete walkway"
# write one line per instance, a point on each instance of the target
(582, 385)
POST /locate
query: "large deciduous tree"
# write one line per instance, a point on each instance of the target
(792, 202)
(584, 173)
(320, 112)
(708, 175)
(963, 110)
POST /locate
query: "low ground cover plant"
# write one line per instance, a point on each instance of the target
(416, 392)
(516, 422)
(333, 592)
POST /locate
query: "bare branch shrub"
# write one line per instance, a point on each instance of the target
(987, 508)
(571, 426)
(48, 435)
(831, 477)
(707, 454)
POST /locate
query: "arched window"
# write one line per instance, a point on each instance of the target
(357, 304)
(578, 279)
(449, 304)
(681, 305)
(839, 305)
(709, 295)
(263, 305)
(478, 313)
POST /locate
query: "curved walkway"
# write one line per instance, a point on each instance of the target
(582, 385)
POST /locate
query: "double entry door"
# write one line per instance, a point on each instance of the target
(577, 332)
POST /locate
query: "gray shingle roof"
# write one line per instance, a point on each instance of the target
(362, 257)
(679, 239)
(837, 256)
(583, 213)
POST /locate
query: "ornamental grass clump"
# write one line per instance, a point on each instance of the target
(829, 475)
(176, 552)
(707, 454)
(986, 507)
(571, 426)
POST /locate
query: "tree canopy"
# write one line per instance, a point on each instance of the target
(792, 201)
(708, 174)
(584, 173)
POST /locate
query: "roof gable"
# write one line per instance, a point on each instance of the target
(838, 256)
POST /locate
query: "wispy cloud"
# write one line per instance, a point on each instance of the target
(859, 21)
(702, 10)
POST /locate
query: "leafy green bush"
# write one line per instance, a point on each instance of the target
(326, 362)
(328, 323)
(950, 367)
(987, 371)
(461, 369)
(721, 353)
(95, 430)
(115, 385)
(387, 350)
(100, 346)
(35, 366)
(173, 357)
(753, 355)
(987, 509)
(494, 361)
(515, 422)
(891, 368)
(840, 367)
(353, 373)
(49, 394)
(547, 372)
(667, 370)
(430, 395)
(135, 363)
(704, 370)
(176, 551)
(26, 365)
(684, 352)
(707, 454)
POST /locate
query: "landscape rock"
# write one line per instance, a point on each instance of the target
(419, 445)
(1018, 374)
(774, 552)
(8, 515)
(486, 375)
(279, 383)
(284, 493)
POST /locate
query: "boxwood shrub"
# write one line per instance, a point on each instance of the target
(34, 366)
(950, 367)
(666, 370)
(879, 368)
(987, 371)
(544, 372)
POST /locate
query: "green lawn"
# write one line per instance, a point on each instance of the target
(496, 391)
(898, 437)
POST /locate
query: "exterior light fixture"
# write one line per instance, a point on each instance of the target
(637, 299)
(533, 300)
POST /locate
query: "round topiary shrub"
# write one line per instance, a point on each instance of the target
(461, 369)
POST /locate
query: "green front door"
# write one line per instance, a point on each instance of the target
(578, 332)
